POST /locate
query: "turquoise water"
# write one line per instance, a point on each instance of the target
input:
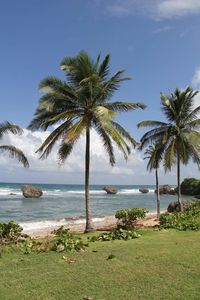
(66, 201)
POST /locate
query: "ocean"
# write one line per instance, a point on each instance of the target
(61, 202)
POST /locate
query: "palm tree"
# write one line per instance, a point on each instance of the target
(179, 135)
(154, 155)
(81, 103)
(14, 152)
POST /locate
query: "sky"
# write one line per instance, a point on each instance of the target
(157, 42)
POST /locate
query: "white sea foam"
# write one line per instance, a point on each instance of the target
(62, 193)
(133, 191)
(29, 227)
(8, 191)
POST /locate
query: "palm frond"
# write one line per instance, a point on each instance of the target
(151, 123)
(123, 106)
(7, 127)
(15, 153)
(124, 133)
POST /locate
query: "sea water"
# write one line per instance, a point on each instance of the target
(61, 202)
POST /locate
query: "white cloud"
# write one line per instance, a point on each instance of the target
(131, 172)
(177, 8)
(196, 85)
(29, 142)
(196, 78)
(162, 29)
(157, 9)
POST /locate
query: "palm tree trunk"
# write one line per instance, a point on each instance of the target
(178, 181)
(89, 226)
(158, 195)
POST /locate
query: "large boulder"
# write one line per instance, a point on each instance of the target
(166, 190)
(30, 191)
(144, 191)
(110, 189)
(190, 186)
(175, 207)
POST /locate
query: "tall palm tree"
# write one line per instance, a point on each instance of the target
(180, 135)
(78, 104)
(154, 155)
(14, 152)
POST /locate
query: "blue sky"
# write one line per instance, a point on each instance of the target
(157, 42)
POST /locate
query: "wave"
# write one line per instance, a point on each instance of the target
(29, 227)
(58, 192)
(8, 191)
(133, 191)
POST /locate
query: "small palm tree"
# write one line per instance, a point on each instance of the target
(154, 155)
(14, 152)
(81, 103)
(180, 135)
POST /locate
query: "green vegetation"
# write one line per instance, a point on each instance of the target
(179, 137)
(13, 152)
(116, 234)
(190, 186)
(186, 220)
(80, 104)
(159, 265)
(128, 216)
(10, 232)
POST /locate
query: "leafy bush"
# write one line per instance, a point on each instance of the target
(10, 232)
(187, 220)
(194, 208)
(127, 216)
(116, 234)
(65, 241)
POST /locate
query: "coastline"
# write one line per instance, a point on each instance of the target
(78, 225)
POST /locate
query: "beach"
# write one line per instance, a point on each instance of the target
(100, 224)
(64, 205)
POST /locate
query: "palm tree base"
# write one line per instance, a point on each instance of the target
(88, 230)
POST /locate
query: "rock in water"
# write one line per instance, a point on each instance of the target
(144, 191)
(166, 190)
(110, 189)
(30, 191)
(190, 186)
(174, 206)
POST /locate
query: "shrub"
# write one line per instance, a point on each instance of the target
(187, 220)
(127, 216)
(10, 232)
(116, 234)
(65, 241)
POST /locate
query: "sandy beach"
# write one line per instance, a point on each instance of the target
(78, 225)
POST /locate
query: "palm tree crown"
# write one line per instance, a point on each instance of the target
(14, 152)
(80, 103)
(154, 155)
(180, 136)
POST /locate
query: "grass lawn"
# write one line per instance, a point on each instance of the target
(159, 265)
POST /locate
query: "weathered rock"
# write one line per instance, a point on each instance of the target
(12, 194)
(110, 189)
(144, 191)
(175, 207)
(190, 186)
(30, 191)
(166, 190)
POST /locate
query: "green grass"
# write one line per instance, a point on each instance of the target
(159, 265)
